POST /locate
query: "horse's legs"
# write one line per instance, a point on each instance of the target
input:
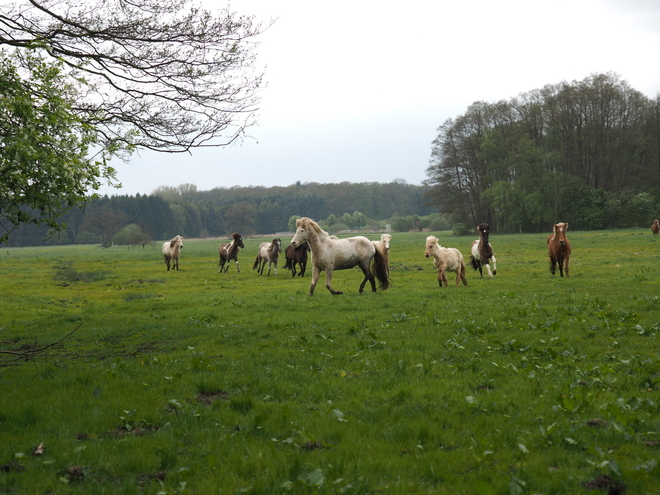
(238, 268)
(176, 263)
(442, 279)
(315, 278)
(560, 264)
(367, 276)
(566, 266)
(553, 266)
(492, 258)
(487, 265)
(328, 283)
(167, 262)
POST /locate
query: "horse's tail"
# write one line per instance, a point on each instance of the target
(474, 263)
(287, 265)
(380, 271)
(256, 262)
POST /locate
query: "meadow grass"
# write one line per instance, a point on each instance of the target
(200, 382)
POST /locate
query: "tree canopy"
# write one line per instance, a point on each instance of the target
(573, 152)
(102, 78)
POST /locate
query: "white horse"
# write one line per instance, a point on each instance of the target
(383, 247)
(330, 253)
(445, 260)
(171, 252)
(482, 252)
(268, 252)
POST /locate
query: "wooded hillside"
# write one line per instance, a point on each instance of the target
(184, 210)
(585, 152)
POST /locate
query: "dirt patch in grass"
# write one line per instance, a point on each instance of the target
(209, 397)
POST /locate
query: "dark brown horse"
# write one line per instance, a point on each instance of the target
(559, 249)
(655, 228)
(230, 251)
(296, 255)
(482, 252)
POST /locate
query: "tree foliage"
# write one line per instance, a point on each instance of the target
(104, 78)
(44, 145)
(167, 76)
(565, 151)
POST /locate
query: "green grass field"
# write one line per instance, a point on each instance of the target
(199, 382)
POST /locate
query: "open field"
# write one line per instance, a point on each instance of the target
(199, 382)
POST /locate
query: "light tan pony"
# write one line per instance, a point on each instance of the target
(445, 260)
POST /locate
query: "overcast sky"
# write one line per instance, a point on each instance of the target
(357, 89)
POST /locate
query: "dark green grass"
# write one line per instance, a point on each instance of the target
(200, 382)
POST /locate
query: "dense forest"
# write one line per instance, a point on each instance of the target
(585, 152)
(168, 211)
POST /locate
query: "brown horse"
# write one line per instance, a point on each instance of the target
(268, 252)
(655, 228)
(296, 255)
(230, 251)
(559, 249)
(482, 252)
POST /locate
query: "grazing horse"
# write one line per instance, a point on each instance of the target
(655, 228)
(268, 252)
(383, 247)
(296, 254)
(171, 252)
(330, 253)
(559, 248)
(482, 252)
(230, 251)
(445, 260)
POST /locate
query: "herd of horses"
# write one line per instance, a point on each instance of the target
(372, 257)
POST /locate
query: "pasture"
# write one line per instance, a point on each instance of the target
(195, 381)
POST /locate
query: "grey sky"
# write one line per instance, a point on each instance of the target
(357, 90)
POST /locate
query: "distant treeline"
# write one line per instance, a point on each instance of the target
(585, 152)
(184, 210)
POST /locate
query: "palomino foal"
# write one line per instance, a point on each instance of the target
(445, 260)
(559, 249)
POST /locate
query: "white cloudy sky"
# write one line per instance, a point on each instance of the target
(357, 88)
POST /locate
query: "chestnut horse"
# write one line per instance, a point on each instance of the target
(559, 249)
(296, 255)
(482, 251)
(445, 260)
(229, 252)
(655, 228)
(269, 252)
(171, 252)
(330, 253)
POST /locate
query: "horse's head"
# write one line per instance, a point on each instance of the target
(385, 239)
(302, 231)
(484, 231)
(238, 239)
(431, 245)
(276, 245)
(559, 230)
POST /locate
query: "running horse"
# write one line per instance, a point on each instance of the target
(559, 249)
(296, 255)
(268, 252)
(445, 260)
(482, 252)
(171, 252)
(230, 251)
(330, 253)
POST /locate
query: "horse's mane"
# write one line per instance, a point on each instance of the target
(311, 224)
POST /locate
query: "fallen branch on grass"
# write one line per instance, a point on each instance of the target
(25, 354)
